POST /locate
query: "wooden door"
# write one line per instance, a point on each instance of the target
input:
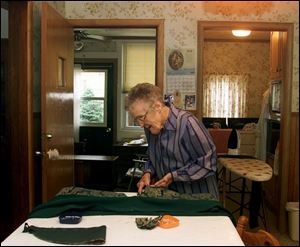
(57, 132)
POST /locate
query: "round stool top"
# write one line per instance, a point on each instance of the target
(252, 169)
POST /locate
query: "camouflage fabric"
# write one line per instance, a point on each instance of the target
(170, 194)
(147, 222)
(147, 192)
(72, 190)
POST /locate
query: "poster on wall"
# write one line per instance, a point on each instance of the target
(180, 77)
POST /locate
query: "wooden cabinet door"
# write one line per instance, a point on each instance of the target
(57, 62)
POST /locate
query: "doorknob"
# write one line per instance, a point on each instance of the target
(108, 130)
(48, 136)
(39, 153)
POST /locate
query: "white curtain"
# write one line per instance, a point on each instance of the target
(225, 95)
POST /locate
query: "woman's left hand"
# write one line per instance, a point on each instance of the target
(164, 182)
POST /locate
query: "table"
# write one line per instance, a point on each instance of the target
(122, 231)
(253, 169)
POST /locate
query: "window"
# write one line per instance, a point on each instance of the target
(89, 97)
(138, 66)
(225, 95)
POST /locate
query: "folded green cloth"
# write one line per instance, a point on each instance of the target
(80, 235)
(93, 205)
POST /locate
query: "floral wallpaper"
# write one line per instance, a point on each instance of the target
(245, 58)
(181, 19)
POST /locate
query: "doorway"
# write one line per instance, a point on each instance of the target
(94, 89)
(285, 98)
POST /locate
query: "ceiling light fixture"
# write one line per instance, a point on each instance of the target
(241, 33)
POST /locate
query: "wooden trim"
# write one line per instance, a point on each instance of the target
(19, 93)
(31, 169)
(293, 181)
(285, 131)
(200, 42)
(254, 26)
(115, 22)
(133, 23)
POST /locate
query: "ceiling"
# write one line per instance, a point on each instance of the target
(263, 36)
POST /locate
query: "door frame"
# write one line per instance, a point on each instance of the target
(19, 111)
(285, 132)
(133, 23)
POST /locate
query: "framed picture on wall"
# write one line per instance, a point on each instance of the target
(190, 101)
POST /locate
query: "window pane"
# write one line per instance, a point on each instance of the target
(93, 82)
(130, 120)
(91, 111)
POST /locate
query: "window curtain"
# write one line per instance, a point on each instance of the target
(138, 67)
(225, 95)
(139, 64)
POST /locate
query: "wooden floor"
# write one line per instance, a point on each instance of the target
(284, 239)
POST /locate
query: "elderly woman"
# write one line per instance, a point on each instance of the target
(182, 155)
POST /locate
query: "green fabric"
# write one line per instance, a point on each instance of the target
(83, 235)
(92, 205)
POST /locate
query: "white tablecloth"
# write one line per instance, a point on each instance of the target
(122, 230)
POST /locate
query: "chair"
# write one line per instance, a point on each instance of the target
(258, 238)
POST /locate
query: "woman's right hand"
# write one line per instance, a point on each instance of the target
(144, 181)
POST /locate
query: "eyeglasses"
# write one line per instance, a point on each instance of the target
(142, 118)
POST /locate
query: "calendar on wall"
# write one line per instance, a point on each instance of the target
(181, 78)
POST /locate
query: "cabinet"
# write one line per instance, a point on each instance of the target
(277, 48)
(271, 188)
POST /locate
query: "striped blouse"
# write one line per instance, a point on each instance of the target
(185, 148)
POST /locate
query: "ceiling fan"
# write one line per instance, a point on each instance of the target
(80, 35)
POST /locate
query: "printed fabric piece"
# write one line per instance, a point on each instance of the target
(147, 222)
(88, 192)
(170, 194)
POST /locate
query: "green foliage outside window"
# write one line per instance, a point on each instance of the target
(91, 110)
